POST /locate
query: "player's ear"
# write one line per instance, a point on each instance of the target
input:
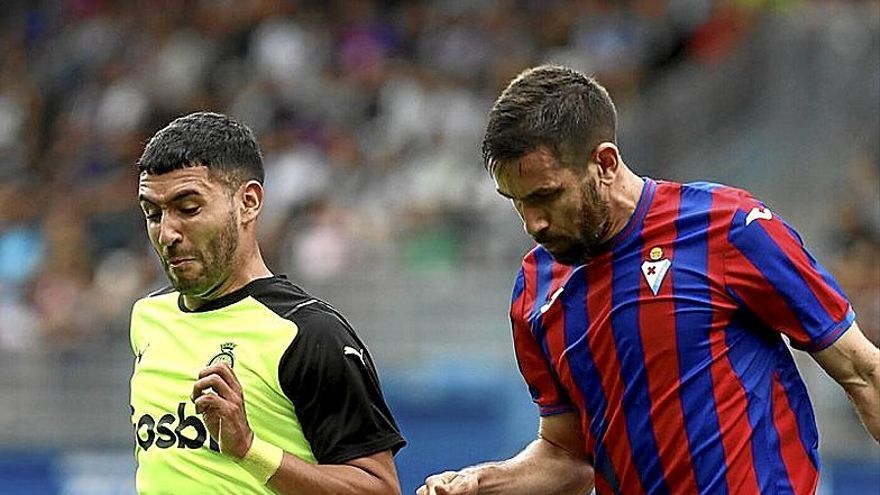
(607, 156)
(251, 200)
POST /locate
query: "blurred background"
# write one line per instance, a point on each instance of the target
(370, 114)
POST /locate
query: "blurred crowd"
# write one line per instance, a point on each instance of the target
(369, 114)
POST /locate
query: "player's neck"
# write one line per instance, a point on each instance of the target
(624, 199)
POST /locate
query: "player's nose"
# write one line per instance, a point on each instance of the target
(535, 221)
(169, 232)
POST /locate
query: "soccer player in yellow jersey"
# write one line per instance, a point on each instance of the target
(243, 383)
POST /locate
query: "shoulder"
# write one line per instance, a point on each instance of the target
(158, 297)
(724, 204)
(539, 277)
(723, 197)
(537, 259)
(281, 296)
(316, 319)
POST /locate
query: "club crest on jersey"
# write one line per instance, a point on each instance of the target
(225, 355)
(655, 268)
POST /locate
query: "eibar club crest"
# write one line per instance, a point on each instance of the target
(655, 269)
(225, 355)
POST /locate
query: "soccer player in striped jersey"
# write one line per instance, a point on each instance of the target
(649, 321)
(243, 383)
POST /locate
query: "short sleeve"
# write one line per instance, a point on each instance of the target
(544, 386)
(332, 382)
(769, 272)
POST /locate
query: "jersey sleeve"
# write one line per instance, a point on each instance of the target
(544, 387)
(331, 380)
(769, 272)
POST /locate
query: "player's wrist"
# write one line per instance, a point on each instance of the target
(262, 459)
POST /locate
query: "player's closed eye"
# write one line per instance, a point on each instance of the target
(542, 197)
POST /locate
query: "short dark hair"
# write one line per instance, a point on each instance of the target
(552, 106)
(227, 147)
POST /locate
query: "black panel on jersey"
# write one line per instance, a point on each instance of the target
(336, 395)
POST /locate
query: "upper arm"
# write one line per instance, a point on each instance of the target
(331, 380)
(850, 359)
(544, 386)
(769, 272)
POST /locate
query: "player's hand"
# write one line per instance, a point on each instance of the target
(219, 399)
(450, 483)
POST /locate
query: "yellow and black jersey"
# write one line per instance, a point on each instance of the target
(310, 386)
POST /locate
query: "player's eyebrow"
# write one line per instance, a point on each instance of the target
(143, 198)
(541, 191)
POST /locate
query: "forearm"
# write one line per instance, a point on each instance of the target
(854, 362)
(864, 391)
(298, 477)
(540, 469)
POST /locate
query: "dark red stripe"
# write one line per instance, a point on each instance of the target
(553, 321)
(530, 273)
(604, 350)
(602, 486)
(801, 473)
(741, 273)
(657, 327)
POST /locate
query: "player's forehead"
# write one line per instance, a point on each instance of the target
(162, 188)
(537, 169)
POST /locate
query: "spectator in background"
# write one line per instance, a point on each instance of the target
(376, 102)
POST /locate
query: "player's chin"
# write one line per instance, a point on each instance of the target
(188, 286)
(570, 256)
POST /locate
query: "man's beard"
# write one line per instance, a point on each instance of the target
(217, 262)
(593, 230)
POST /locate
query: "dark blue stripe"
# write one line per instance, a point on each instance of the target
(544, 266)
(625, 282)
(702, 186)
(518, 286)
(815, 264)
(693, 321)
(752, 351)
(799, 402)
(780, 272)
(584, 372)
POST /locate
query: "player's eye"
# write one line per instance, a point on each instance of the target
(547, 195)
(153, 216)
(190, 210)
(543, 196)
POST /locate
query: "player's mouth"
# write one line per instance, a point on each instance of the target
(554, 245)
(179, 262)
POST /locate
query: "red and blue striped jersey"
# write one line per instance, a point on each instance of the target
(669, 345)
